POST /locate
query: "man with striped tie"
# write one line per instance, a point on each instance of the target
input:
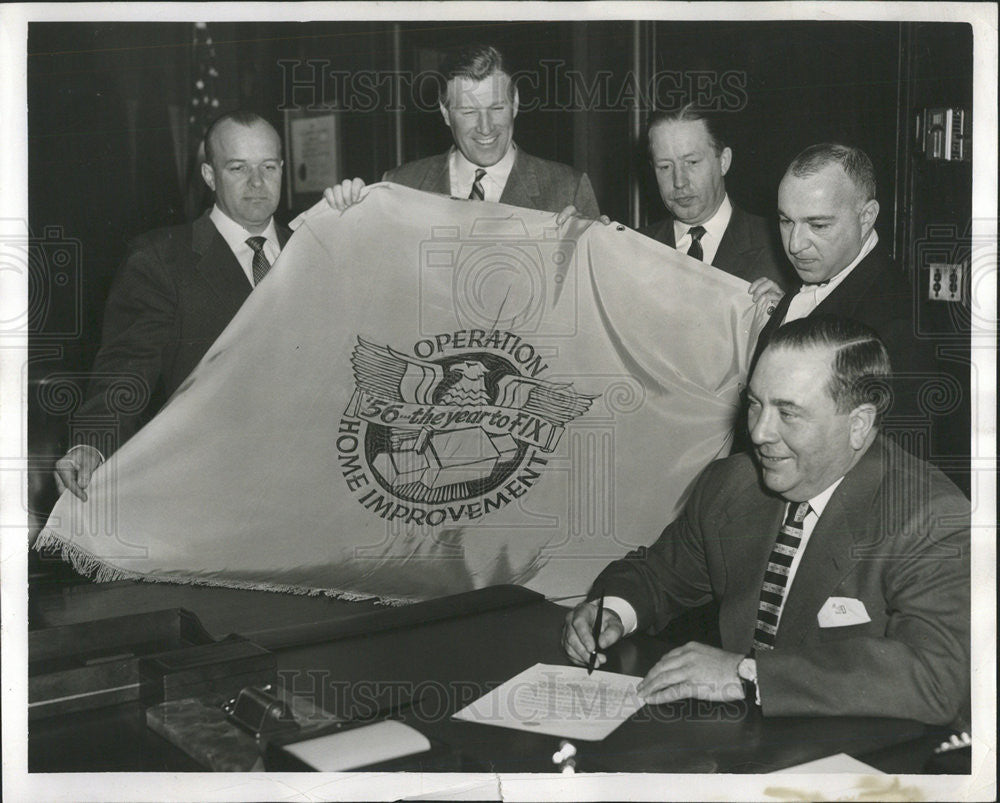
(479, 103)
(840, 562)
(178, 289)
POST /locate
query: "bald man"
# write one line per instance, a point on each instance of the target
(178, 289)
(827, 209)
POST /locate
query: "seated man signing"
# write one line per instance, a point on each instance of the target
(840, 563)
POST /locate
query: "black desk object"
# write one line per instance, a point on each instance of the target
(431, 659)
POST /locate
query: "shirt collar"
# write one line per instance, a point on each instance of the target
(819, 502)
(465, 170)
(715, 226)
(235, 235)
(866, 248)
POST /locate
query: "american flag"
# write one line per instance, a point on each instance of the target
(204, 104)
(203, 107)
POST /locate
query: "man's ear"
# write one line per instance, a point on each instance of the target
(208, 174)
(725, 160)
(444, 114)
(517, 101)
(867, 215)
(862, 422)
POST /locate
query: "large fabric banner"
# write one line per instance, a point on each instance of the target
(427, 396)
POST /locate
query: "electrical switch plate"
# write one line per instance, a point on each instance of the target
(945, 282)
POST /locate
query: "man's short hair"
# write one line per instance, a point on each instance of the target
(475, 62)
(241, 117)
(853, 161)
(861, 369)
(689, 113)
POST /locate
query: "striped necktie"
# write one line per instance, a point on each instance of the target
(260, 264)
(696, 232)
(772, 592)
(477, 193)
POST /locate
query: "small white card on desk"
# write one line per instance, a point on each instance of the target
(842, 611)
(841, 762)
(359, 747)
(559, 701)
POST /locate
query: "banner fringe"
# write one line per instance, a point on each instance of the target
(102, 572)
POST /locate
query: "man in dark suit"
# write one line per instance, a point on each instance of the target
(690, 159)
(180, 287)
(836, 595)
(826, 213)
(479, 102)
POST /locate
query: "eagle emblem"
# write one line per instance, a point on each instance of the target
(446, 430)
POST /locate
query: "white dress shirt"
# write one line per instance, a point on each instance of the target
(462, 174)
(817, 505)
(715, 227)
(810, 295)
(236, 238)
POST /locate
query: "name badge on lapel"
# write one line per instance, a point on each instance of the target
(841, 612)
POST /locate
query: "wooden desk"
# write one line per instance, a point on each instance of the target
(444, 654)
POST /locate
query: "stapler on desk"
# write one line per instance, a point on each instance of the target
(294, 736)
(232, 734)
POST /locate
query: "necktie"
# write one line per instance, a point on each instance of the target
(696, 232)
(260, 264)
(772, 592)
(477, 193)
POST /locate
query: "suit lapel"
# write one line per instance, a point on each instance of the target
(666, 233)
(844, 299)
(217, 264)
(776, 319)
(283, 233)
(522, 184)
(437, 179)
(827, 559)
(735, 242)
(746, 541)
(662, 232)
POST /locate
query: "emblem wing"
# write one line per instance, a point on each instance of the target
(552, 401)
(387, 374)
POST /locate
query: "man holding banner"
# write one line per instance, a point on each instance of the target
(474, 384)
(179, 288)
(479, 102)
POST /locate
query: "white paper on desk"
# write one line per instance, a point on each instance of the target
(359, 747)
(839, 762)
(559, 701)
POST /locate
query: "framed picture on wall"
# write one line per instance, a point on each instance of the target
(312, 155)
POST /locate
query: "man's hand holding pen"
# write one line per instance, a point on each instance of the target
(578, 633)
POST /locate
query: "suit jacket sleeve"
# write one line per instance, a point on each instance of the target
(585, 200)
(139, 326)
(662, 580)
(917, 667)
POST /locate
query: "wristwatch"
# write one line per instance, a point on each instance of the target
(747, 671)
